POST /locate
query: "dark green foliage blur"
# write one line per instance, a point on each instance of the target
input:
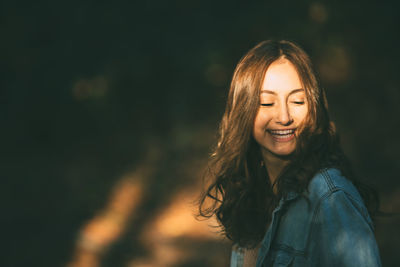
(89, 87)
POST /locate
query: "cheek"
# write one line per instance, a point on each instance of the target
(260, 124)
(259, 121)
(303, 119)
(301, 113)
(257, 124)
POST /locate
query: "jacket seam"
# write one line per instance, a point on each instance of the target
(328, 180)
(315, 214)
(316, 211)
(289, 249)
(333, 188)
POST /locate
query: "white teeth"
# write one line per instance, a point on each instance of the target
(284, 136)
(282, 132)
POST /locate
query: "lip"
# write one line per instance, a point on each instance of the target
(282, 135)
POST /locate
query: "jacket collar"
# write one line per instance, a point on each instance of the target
(290, 196)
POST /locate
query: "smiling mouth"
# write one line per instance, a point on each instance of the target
(282, 135)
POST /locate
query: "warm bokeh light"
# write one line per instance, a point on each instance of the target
(110, 223)
(178, 219)
(165, 236)
(334, 65)
(90, 88)
(176, 222)
(318, 12)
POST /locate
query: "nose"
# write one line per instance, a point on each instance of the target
(283, 115)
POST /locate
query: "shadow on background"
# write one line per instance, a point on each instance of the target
(109, 111)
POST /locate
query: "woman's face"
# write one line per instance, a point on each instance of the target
(283, 108)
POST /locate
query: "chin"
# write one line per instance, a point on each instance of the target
(283, 153)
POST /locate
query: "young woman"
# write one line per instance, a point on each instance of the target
(282, 189)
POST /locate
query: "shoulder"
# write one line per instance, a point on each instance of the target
(329, 190)
(328, 181)
(342, 232)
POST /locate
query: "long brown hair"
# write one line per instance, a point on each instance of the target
(240, 190)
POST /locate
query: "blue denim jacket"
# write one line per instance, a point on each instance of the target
(332, 228)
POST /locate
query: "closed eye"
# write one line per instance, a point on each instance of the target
(298, 102)
(266, 104)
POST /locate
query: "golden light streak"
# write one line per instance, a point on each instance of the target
(100, 232)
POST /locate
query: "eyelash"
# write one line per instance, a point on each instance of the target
(294, 102)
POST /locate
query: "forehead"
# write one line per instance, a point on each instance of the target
(281, 76)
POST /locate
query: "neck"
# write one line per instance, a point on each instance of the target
(274, 165)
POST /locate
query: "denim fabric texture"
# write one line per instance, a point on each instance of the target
(327, 226)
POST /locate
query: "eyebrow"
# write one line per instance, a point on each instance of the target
(291, 92)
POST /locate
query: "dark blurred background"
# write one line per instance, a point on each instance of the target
(109, 110)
